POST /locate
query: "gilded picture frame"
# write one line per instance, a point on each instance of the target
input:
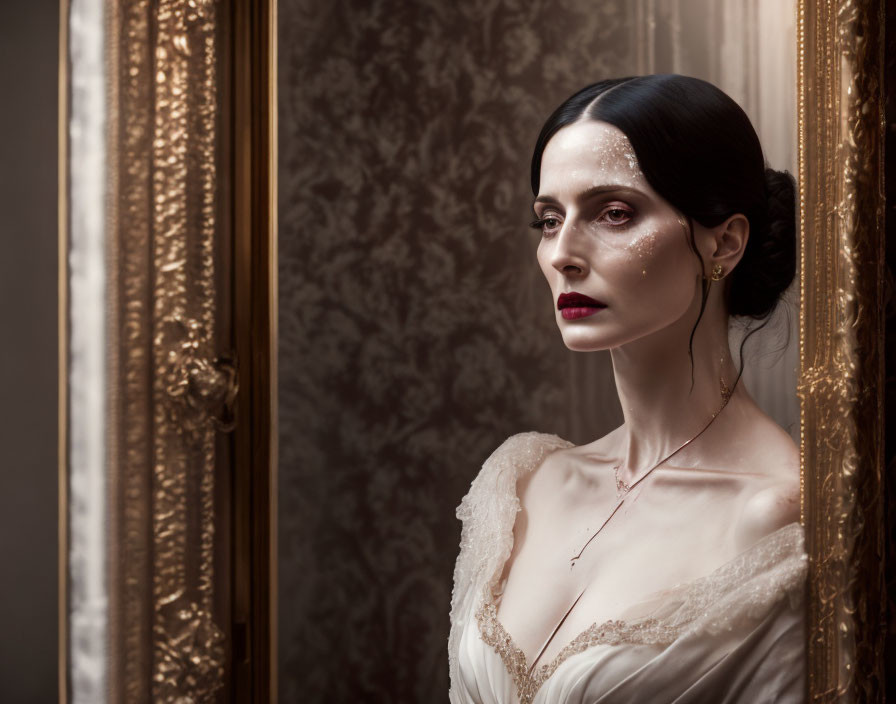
(225, 340)
(841, 387)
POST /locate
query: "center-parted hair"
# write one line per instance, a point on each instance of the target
(698, 150)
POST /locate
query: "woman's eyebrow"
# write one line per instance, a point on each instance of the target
(593, 191)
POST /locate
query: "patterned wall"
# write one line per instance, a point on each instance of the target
(416, 332)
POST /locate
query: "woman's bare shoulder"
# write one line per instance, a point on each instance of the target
(775, 499)
(516, 459)
(522, 452)
(567, 468)
(548, 465)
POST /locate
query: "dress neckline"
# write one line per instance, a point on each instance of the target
(527, 685)
(644, 630)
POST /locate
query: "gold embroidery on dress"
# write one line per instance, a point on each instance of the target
(747, 585)
(608, 633)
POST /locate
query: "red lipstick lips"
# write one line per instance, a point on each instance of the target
(576, 305)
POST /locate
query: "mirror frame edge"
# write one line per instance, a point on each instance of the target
(841, 137)
(255, 571)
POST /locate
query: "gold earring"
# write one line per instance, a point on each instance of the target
(717, 274)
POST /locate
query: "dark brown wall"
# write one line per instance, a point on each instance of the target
(416, 332)
(28, 377)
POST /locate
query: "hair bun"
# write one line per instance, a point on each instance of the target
(769, 262)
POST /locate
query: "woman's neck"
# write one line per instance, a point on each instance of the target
(661, 407)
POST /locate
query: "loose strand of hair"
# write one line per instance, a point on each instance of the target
(703, 300)
(705, 296)
(743, 342)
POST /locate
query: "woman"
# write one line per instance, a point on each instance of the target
(665, 561)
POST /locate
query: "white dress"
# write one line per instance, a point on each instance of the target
(735, 635)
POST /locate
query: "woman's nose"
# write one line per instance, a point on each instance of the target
(567, 256)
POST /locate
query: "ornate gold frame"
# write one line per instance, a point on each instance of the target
(191, 370)
(841, 142)
(195, 602)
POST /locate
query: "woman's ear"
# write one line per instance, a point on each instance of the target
(730, 239)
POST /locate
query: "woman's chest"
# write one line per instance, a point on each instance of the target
(649, 545)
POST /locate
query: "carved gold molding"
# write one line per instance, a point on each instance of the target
(170, 390)
(841, 131)
(186, 102)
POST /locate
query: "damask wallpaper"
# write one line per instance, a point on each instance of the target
(416, 333)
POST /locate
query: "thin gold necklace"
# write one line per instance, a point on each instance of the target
(726, 396)
(623, 489)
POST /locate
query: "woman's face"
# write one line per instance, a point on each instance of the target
(608, 236)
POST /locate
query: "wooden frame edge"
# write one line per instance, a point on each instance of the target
(273, 289)
(254, 101)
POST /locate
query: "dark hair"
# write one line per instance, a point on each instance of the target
(698, 150)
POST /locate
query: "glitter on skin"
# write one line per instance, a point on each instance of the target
(644, 245)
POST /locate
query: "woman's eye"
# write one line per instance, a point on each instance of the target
(617, 216)
(546, 224)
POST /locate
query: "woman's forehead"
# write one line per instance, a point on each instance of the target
(587, 154)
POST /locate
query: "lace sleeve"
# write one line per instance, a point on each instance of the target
(747, 587)
(740, 591)
(488, 513)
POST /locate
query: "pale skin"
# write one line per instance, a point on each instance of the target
(734, 485)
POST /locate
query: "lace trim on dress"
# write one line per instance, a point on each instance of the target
(527, 686)
(488, 512)
(744, 588)
(715, 603)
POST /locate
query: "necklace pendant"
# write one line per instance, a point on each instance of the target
(726, 394)
(621, 487)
